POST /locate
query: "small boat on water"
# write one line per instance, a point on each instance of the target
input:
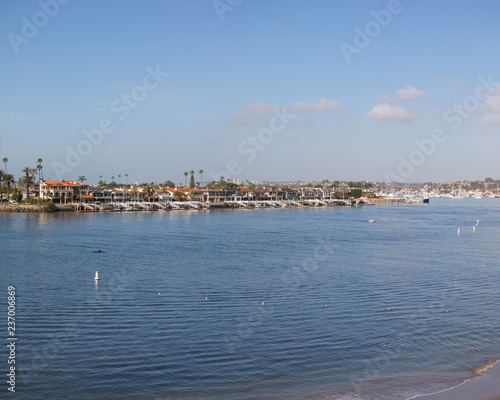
(371, 220)
(425, 200)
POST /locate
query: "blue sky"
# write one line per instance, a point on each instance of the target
(415, 96)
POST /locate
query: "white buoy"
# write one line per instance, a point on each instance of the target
(477, 223)
(473, 229)
(459, 231)
(96, 278)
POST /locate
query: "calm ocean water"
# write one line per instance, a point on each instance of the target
(231, 304)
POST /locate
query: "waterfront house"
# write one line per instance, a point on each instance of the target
(62, 192)
(234, 194)
(108, 196)
(290, 194)
(205, 195)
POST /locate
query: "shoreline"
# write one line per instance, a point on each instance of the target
(485, 386)
(22, 208)
(173, 206)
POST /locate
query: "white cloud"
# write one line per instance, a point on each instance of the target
(261, 111)
(406, 94)
(253, 112)
(491, 119)
(323, 105)
(409, 93)
(385, 111)
(492, 105)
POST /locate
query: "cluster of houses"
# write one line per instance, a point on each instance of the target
(69, 191)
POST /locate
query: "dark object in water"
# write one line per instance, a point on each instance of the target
(98, 251)
(426, 201)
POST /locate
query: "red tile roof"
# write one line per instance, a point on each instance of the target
(63, 183)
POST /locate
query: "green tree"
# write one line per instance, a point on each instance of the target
(191, 181)
(16, 194)
(169, 184)
(178, 195)
(5, 160)
(126, 179)
(356, 193)
(186, 177)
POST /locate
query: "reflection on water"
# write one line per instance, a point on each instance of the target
(264, 304)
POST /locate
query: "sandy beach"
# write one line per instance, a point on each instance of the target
(484, 387)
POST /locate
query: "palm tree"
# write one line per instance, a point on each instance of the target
(27, 171)
(134, 193)
(2, 175)
(5, 160)
(126, 179)
(40, 166)
(146, 190)
(112, 179)
(149, 192)
(9, 180)
(120, 179)
(201, 175)
(39, 169)
(33, 174)
(186, 177)
(81, 179)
